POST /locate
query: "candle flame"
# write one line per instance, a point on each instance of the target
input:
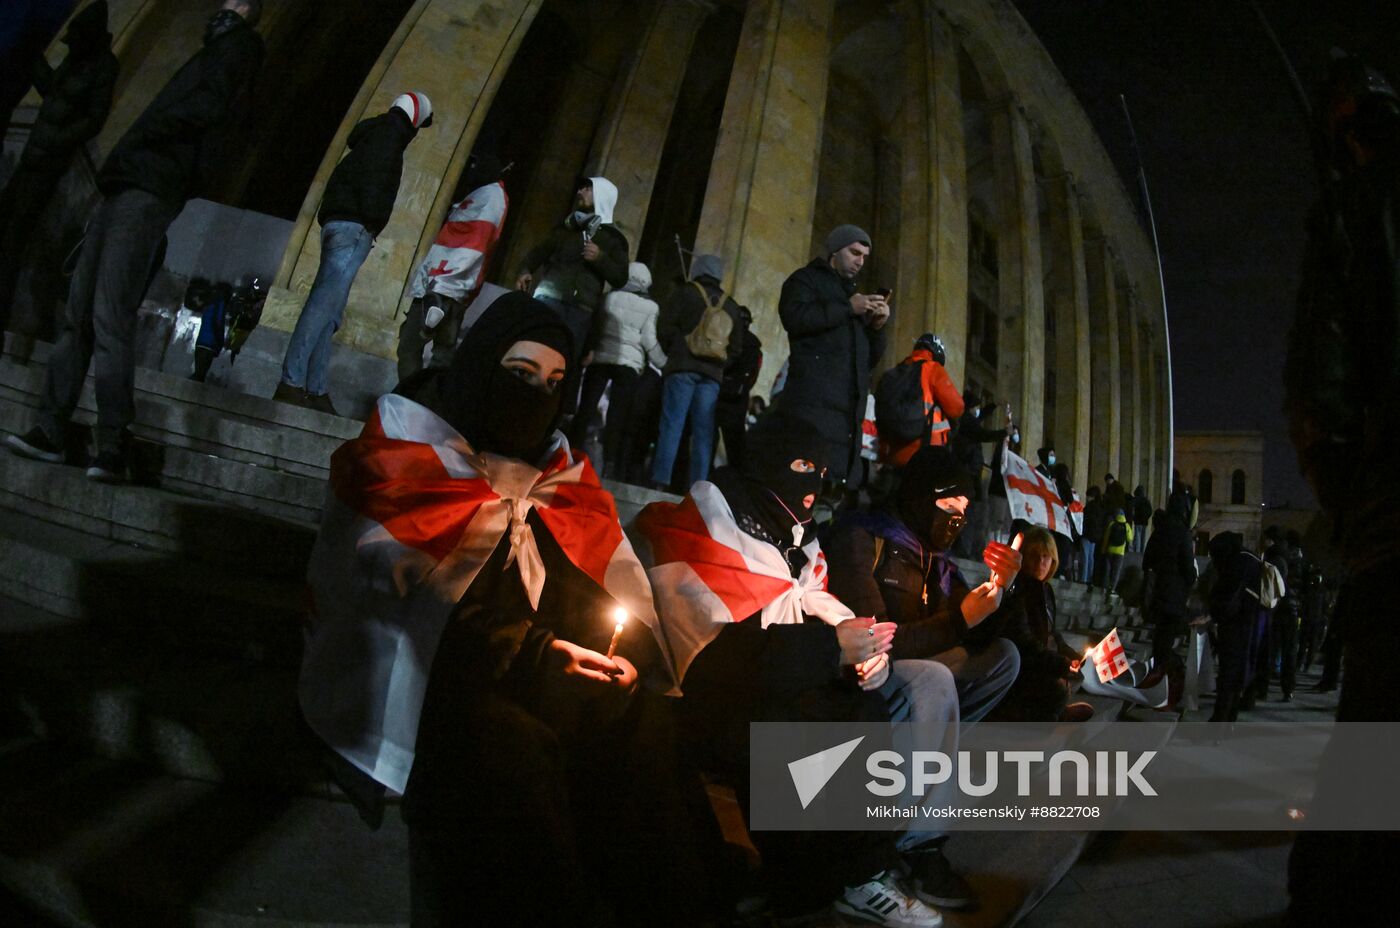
(620, 616)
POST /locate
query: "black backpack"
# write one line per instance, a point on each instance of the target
(899, 404)
(1117, 534)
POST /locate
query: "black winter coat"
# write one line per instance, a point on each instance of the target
(681, 315)
(564, 275)
(77, 99)
(742, 373)
(967, 447)
(1171, 558)
(832, 355)
(1026, 617)
(899, 584)
(173, 147)
(365, 184)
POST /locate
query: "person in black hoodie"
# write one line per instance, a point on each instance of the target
(1170, 566)
(77, 98)
(356, 207)
(166, 157)
(1241, 623)
(837, 337)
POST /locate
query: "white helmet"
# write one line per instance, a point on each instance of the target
(417, 107)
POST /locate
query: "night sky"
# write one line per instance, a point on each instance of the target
(1230, 173)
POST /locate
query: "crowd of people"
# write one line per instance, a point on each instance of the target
(470, 567)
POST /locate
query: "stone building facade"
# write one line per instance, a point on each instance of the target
(743, 128)
(1226, 469)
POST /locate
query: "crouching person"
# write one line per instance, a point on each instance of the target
(464, 582)
(739, 580)
(895, 564)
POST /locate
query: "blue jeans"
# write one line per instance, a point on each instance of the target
(344, 247)
(686, 395)
(1087, 574)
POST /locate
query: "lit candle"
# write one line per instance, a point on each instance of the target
(620, 617)
(1015, 546)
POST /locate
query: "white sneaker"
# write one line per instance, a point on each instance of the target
(881, 900)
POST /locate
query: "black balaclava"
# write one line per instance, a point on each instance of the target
(482, 168)
(932, 474)
(219, 23)
(87, 33)
(777, 491)
(490, 406)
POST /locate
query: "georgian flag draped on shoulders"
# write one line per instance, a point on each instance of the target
(411, 516)
(457, 259)
(706, 572)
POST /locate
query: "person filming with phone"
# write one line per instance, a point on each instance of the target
(837, 336)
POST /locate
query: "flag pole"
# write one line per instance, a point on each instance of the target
(1162, 285)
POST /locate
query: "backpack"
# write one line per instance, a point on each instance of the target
(709, 340)
(899, 404)
(1272, 588)
(1117, 534)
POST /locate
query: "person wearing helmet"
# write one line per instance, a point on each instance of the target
(356, 207)
(939, 397)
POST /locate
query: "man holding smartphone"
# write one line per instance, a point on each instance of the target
(837, 337)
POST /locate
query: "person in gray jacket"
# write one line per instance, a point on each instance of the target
(626, 343)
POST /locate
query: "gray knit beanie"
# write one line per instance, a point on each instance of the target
(843, 235)
(711, 266)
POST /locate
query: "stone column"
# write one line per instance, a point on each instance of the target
(455, 51)
(1149, 447)
(931, 289)
(763, 177)
(1069, 283)
(1022, 310)
(1130, 460)
(627, 148)
(1107, 395)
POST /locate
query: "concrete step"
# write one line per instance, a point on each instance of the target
(231, 536)
(194, 715)
(91, 842)
(170, 599)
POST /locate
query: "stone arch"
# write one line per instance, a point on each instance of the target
(1205, 486)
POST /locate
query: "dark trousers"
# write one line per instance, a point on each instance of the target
(99, 323)
(731, 418)
(413, 337)
(616, 431)
(21, 204)
(1282, 651)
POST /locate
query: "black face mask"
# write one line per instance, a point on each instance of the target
(518, 418)
(944, 529)
(219, 23)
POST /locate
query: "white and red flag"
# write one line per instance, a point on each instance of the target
(1108, 657)
(1076, 511)
(706, 572)
(1032, 495)
(412, 514)
(457, 259)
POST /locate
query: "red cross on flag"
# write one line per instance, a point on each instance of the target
(1108, 657)
(1032, 495)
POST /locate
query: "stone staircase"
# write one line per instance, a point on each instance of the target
(155, 768)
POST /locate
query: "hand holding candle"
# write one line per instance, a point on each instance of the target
(620, 617)
(1004, 561)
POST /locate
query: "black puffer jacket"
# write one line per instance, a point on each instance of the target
(1171, 558)
(77, 94)
(564, 275)
(832, 356)
(680, 316)
(365, 184)
(173, 147)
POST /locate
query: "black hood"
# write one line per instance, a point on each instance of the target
(933, 473)
(467, 392)
(87, 32)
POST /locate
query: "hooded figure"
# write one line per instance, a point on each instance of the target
(465, 581)
(584, 252)
(450, 276)
(627, 343)
(1242, 624)
(739, 577)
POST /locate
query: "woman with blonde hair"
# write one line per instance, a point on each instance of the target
(1027, 618)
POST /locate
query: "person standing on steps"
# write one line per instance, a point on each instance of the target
(167, 156)
(358, 202)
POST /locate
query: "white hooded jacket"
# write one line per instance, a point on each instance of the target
(627, 331)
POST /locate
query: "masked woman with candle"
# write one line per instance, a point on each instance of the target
(464, 582)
